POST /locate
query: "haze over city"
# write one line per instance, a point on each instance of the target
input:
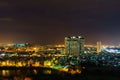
(49, 21)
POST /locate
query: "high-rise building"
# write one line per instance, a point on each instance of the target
(99, 46)
(74, 45)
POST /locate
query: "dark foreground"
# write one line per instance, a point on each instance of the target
(91, 73)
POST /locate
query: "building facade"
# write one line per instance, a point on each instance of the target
(74, 45)
(99, 45)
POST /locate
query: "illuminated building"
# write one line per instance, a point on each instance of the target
(99, 47)
(74, 45)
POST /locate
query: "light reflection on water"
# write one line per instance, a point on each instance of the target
(5, 72)
(16, 74)
(20, 74)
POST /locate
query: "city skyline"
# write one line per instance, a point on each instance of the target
(48, 22)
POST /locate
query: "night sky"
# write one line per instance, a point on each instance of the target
(49, 21)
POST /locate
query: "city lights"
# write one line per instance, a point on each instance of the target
(72, 57)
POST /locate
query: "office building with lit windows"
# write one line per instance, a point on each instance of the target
(74, 45)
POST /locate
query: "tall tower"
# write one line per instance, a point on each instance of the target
(74, 45)
(99, 46)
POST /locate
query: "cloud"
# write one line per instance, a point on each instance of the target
(4, 4)
(6, 19)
